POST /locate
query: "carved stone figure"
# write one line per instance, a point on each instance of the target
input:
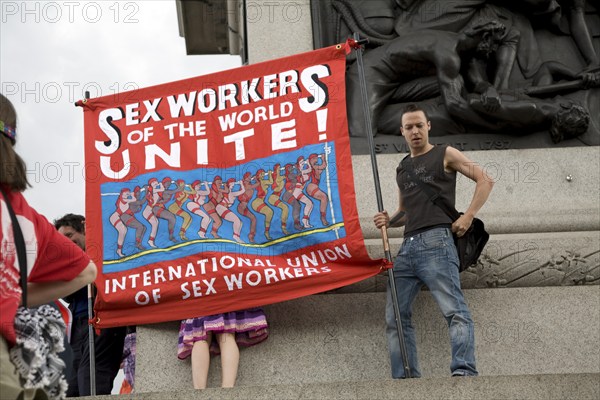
(518, 113)
(426, 53)
(548, 48)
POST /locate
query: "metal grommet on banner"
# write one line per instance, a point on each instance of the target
(339, 46)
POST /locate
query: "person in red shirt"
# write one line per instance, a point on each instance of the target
(56, 267)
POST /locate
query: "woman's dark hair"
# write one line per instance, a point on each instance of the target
(13, 172)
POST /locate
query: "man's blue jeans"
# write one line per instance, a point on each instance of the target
(429, 258)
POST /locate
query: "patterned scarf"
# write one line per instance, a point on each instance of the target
(40, 334)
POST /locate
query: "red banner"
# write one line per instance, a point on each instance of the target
(223, 192)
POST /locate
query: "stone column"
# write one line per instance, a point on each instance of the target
(277, 29)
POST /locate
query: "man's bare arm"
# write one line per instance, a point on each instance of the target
(458, 162)
(397, 219)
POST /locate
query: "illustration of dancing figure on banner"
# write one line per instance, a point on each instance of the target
(197, 200)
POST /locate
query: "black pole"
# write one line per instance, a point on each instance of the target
(386, 245)
(91, 341)
(91, 335)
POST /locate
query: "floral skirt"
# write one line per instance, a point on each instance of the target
(249, 326)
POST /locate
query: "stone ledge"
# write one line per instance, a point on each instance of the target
(525, 387)
(332, 338)
(531, 194)
(515, 222)
(514, 260)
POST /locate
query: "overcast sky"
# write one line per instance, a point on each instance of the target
(52, 51)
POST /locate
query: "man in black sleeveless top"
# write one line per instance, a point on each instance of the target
(428, 255)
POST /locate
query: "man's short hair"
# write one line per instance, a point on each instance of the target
(74, 221)
(409, 108)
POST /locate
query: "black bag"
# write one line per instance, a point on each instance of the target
(470, 245)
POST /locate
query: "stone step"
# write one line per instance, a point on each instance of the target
(331, 338)
(515, 260)
(525, 387)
